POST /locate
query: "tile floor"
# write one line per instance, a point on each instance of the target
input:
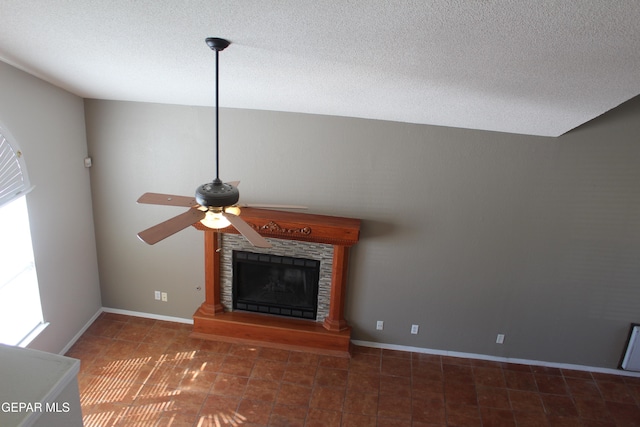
(143, 372)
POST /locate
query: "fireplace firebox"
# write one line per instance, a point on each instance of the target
(277, 285)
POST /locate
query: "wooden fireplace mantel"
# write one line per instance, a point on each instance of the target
(332, 335)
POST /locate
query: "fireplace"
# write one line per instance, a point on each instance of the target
(273, 284)
(322, 238)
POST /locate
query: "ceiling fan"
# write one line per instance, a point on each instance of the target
(215, 203)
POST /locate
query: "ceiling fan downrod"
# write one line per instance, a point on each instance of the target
(217, 193)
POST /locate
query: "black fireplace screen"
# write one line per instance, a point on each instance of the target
(274, 284)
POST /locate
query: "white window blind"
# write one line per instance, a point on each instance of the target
(20, 308)
(14, 181)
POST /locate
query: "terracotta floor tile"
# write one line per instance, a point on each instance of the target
(594, 409)
(517, 367)
(583, 387)
(335, 362)
(327, 398)
(396, 366)
(551, 384)
(425, 357)
(275, 354)
(450, 360)
(530, 419)
(562, 406)
(520, 380)
(463, 415)
(494, 417)
(287, 415)
(358, 403)
(239, 366)
(220, 347)
(599, 376)
(254, 412)
(458, 373)
(299, 374)
(625, 414)
(105, 328)
(328, 377)
(460, 393)
(261, 390)
(301, 358)
(323, 418)
(545, 370)
(428, 412)
(560, 421)
(219, 408)
(395, 354)
(525, 401)
(615, 392)
(143, 372)
(489, 377)
(244, 351)
(294, 395)
(365, 363)
(493, 397)
(358, 420)
(229, 385)
(268, 370)
(133, 332)
(399, 386)
(363, 382)
(390, 406)
(427, 370)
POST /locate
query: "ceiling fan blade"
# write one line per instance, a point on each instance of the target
(171, 226)
(270, 206)
(167, 199)
(245, 229)
(234, 183)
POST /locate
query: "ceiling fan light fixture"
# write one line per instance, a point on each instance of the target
(215, 220)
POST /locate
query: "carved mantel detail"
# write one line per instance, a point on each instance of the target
(273, 228)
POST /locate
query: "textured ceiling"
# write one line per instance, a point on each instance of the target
(533, 67)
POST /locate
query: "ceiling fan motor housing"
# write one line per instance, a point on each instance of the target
(217, 194)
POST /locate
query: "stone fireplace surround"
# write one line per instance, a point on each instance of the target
(292, 234)
(290, 248)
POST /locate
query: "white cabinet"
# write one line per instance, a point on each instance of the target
(38, 389)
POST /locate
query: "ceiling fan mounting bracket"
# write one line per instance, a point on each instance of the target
(217, 44)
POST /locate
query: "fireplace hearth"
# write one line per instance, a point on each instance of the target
(273, 284)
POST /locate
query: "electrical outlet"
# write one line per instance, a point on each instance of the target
(414, 329)
(500, 339)
(164, 297)
(379, 325)
(156, 295)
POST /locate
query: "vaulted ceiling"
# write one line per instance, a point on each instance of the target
(538, 68)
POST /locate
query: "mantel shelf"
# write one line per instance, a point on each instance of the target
(298, 226)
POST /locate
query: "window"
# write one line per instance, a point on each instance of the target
(20, 308)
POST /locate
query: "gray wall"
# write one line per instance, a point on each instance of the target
(466, 233)
(48, 124)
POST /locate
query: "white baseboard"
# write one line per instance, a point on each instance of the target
(79, 334)
(147, 315)
(376, 345)
(496, 358)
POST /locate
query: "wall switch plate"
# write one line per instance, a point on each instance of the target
(500, 339)
(156, 295)
(164, 297)
(414, 329)
(379, 325)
